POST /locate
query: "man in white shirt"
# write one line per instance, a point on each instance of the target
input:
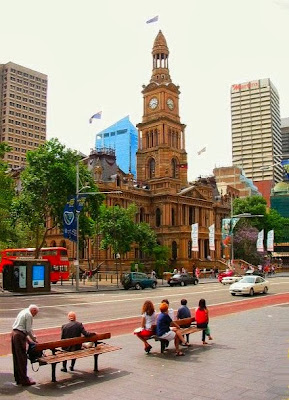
(22, 331)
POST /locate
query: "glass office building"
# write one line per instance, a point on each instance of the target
(123, 138)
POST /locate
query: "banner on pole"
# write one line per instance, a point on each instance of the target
(270, 240)
(73, 206)
(195, 237)
(212, 237)
(260, 241)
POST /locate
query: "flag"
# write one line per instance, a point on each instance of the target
(96, 116)
(270, 240)
(202, 151)
(195, 237)
(212, 237)
(260, 245)
(154, 19)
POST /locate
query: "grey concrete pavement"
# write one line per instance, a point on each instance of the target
(247, 360)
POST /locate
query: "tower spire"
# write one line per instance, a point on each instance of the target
(160, 73)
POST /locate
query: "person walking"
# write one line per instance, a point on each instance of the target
(21, 333)
(202, 320)
(72, 329)
(148, 320)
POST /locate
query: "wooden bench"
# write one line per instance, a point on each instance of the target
(59, 355)
(187, 325)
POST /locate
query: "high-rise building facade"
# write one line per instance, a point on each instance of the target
(23, 95)
(256, 132)
(285, 138)
(122, 137)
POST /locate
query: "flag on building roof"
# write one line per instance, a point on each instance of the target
(96, 116)
(154, 19)
(202, 151)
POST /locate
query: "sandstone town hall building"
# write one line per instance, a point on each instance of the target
(162, 194)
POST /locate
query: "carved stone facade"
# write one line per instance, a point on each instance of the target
(163, 196)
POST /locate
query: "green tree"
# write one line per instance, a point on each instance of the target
(256, 205)
(145, 237)
(117, 228)
(47, 182)
(161, 256)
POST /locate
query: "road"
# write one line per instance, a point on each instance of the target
(119, 311)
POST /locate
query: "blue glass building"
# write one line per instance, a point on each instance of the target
(123, 138)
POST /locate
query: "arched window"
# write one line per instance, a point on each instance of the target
(191, 215)
(63, 243)
(173, 217)
(53, 243)
(117, 181)
(189, 249)
(184, 214)
(141, 215)
(174, 168)
(152, 166)
(158, 217)
(174, 250)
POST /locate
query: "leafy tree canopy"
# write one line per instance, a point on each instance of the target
(47, 182)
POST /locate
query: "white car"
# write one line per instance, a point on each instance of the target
(230, 279)
(250, 285)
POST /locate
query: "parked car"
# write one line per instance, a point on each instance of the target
(183, 280)
(224, 274)
(250, 285)
(138, 280)
(231, 279)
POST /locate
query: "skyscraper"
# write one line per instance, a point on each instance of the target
(256, 132)
(23, 94)
(123, 138)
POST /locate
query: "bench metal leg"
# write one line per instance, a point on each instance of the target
(95, 362)
(53, 370)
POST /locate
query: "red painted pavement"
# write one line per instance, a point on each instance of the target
(125, 326)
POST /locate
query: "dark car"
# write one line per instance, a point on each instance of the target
(183, 280)
(138, 280)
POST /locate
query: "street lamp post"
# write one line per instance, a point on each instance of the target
(78, 191)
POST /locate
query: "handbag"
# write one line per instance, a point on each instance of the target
(33, 355)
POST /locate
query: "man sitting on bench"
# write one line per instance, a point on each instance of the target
(70, 330)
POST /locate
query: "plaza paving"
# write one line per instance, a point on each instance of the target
(247, 360)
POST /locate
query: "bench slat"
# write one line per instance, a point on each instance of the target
(71, 342)
(66, 355)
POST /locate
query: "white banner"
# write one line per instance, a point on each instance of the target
(195, 237)
(270, 240)
(260, 240)
(212, 237)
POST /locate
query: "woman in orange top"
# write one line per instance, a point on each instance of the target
(202, 319)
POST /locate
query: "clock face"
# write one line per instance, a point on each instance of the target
(153, 103)
(170, 104)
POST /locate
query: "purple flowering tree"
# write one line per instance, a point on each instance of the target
(245, 239)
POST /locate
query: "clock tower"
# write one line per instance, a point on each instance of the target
(161, 156)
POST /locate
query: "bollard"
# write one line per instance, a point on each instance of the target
(61, 280)
(72, 281)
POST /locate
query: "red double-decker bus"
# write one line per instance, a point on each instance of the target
(57, 256)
